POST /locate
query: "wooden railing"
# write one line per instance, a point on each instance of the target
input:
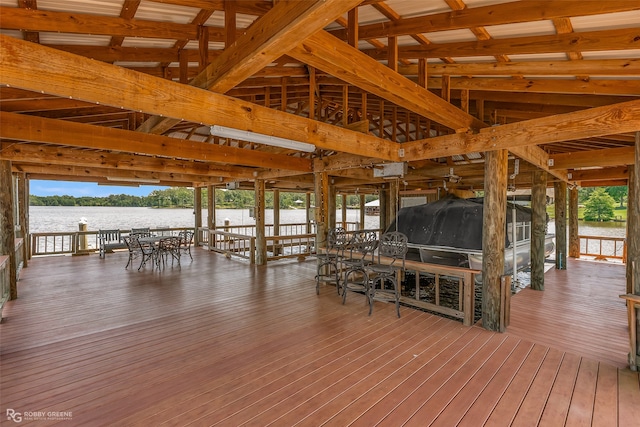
(466, 289)
(603, 247)
(239, 245)
(5, 281)
(80, 242)
(290, 246)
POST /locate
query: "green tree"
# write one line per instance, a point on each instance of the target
(619, 193)
(599, 207)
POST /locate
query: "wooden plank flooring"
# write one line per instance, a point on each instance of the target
(221, 342)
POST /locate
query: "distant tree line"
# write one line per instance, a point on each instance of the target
(181, 197)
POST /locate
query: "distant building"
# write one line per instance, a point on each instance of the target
(372, 208)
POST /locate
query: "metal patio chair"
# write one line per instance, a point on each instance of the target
(328, 270)
(357, 255)
(393, 249)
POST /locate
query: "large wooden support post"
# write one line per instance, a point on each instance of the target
(633, 224)
(538, 228)
(633, 258)
(494, 219)
(197, 210)
(276, 212)
(560, 196)
(211, 207)
(7, 226)
(23, 202)
(394, 200)
(276, 220)
(332, 205)
(362, 211)
(384, 207)
(307, 204)
(261, 236)
(344, 211)
(321, 186)
(574, 239)
(633, 228)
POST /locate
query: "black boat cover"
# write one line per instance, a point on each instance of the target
(450, 221)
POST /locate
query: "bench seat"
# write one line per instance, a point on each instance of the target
(110, 240)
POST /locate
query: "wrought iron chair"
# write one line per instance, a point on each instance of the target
(186, 239)
(141, 232)
(147, 250)
(328, 261)
(168, 247)
(356, 257)
(393, 247)
(134, 249)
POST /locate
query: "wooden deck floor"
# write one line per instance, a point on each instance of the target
(220, 342)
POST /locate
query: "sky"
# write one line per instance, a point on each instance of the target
(82, 189)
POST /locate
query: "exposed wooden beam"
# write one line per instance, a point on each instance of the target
(593, 67)
(98, 174)
(20, 127)
(605, 87)
(65, 156)
(46, 70)
(248, 7)
(618, 39)
(280, 29)
(335, 57)
(613, 173)
(591, 158)
(77, 23)
(496, 14)
(611, 119)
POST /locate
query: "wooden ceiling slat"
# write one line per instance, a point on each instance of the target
(497, 14)
(605, 40)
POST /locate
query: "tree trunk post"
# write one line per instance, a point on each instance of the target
(384, 207)
(261, 238)
(331, 205)
(7, 225)
(276, 220)
(632, 227)
(211, 207)
(23, 200)
(362, 211)
(560, 195)
(574, 237)
(494, 219)
(538, 228)
(344, 211)
(307, 204)
(197, 210)
(321, 184)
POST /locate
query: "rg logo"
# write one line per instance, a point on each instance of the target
(14, 416)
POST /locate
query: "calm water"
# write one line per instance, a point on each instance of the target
(67, 218)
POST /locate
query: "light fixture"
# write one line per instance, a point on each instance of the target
(139, 180)
(260, 138)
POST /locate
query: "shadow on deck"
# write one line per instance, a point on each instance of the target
(220, 341)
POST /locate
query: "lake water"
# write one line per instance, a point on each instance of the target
(67, 218)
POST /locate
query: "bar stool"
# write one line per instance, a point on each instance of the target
(328, 261)
(361, 244)
(392, 246)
